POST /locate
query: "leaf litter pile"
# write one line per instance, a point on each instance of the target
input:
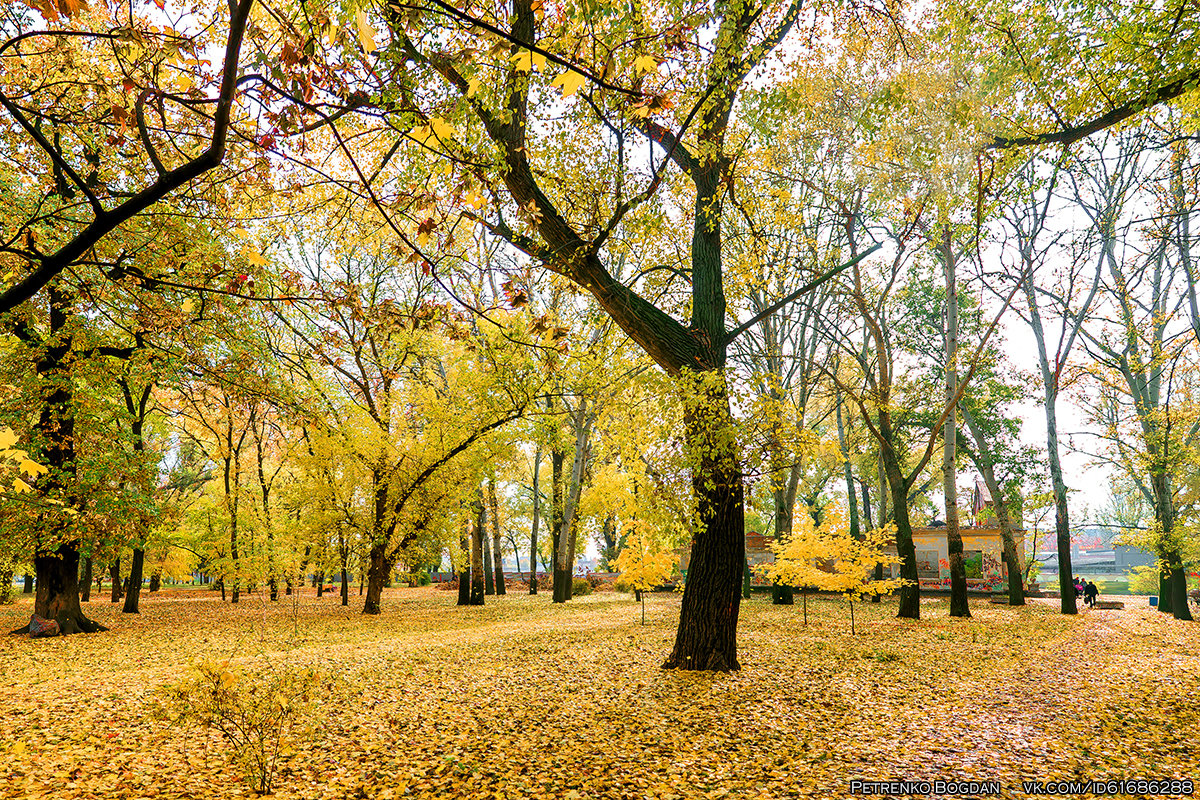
(522, 698)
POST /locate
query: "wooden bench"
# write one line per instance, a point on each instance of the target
(1111, 605)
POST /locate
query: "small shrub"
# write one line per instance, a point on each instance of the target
(623, 584)
(580, 587)
(257, 713)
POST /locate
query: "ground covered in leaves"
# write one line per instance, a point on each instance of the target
(525, 699)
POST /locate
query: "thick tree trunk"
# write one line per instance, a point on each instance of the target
(85, 581)
(155, 582)
(477, 570)
(114, 572)
(707, 635)
(58, 591)
(28, 583)
(533, 533)
(320, 583)
(377, 572)
(910, 593)
(135, 582)
(497, 553)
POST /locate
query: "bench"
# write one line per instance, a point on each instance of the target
(1111, 605)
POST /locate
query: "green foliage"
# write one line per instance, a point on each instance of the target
(580, 587)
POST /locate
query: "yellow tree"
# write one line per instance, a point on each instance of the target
(829, 558)
(645, 562)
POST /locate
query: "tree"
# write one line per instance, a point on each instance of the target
(644, 563)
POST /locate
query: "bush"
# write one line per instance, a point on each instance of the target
(580, 587)
(256, 713)
(622, 584)
(1143, 580)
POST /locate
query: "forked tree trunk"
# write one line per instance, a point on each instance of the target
(135, 582)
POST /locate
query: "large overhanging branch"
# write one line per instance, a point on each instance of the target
(1073, 133)
(106, 220)
(805, 289)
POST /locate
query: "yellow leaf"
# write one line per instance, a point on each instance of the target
(645, 64)
(569, 82)
(472, 87)
(32, 468)
(255, 259)
(185, 82)
(366, 34)
(188, 306)
(21, 486)
(7, 438)
(527, 61)
(442, 129)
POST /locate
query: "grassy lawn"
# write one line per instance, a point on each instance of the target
(525, 699)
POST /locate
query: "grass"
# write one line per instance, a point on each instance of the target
(522, 698)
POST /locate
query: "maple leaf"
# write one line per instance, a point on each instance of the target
(569, 82)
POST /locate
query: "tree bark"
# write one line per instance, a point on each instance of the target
(345, 587)
(155, 581)
(377, 572)
(983, 461)
(464, 572)
(557, 457)
(497, 553)
(707, 635)
(28, 583)
(533, 533)
(959, 607)
(114, 572)
(85, 581)
(477, 570)
(134, 592)
(489, 574)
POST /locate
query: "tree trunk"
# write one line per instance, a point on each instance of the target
(377, 572)
(489, 572)
(557, 457)
(497, 556)
(155, 582)
(959, 606)
(910, 593)
(564, 559)
(477, 570)
(135, 582)
(57, 572)
(85, 581)
(533, 534)
(707, 635)
(464, 572)
(28, 583)
(983, 461)
(58, 591)
(345, 587)
(114, 572)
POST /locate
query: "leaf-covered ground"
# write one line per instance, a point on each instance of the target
(525, 699)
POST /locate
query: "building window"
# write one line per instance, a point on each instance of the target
(927, 564)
